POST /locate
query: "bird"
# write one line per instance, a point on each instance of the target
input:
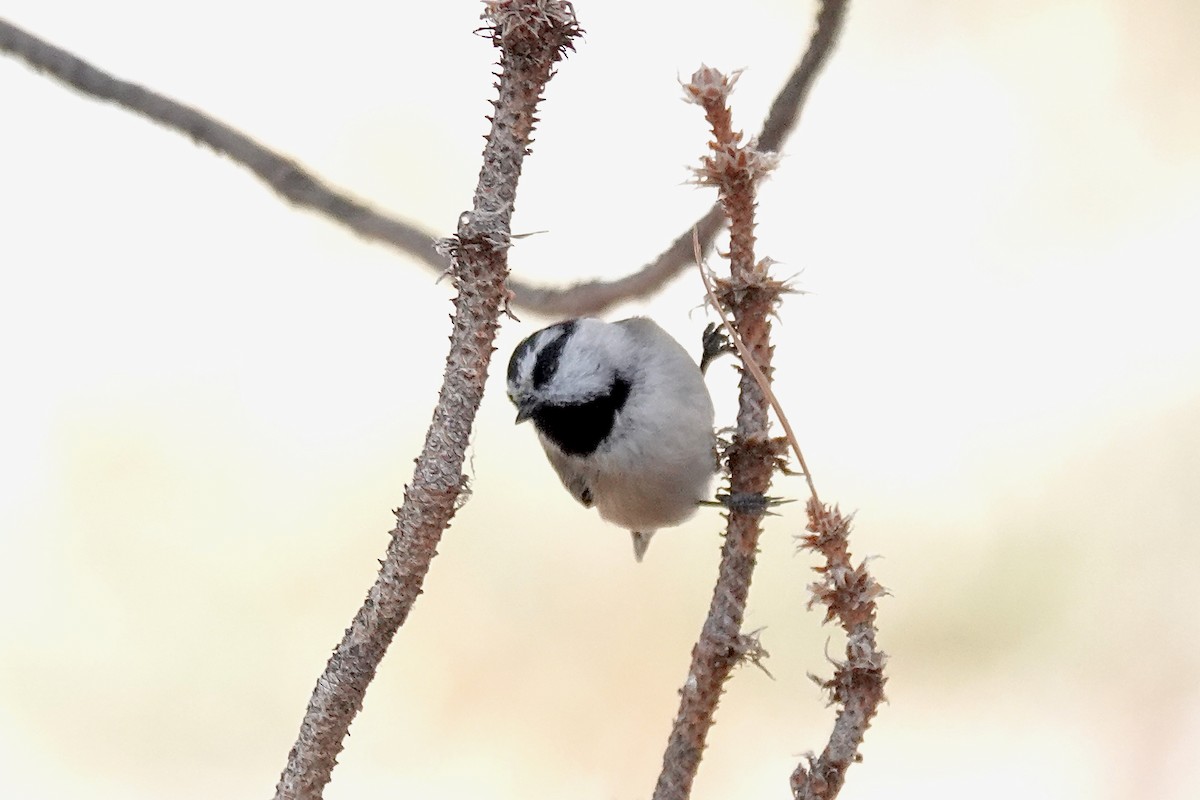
(624, 416)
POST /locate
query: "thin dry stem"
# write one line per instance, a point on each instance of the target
(848, 593)
(749, 363)
(532, 35)
(304, 189)
(735, 169)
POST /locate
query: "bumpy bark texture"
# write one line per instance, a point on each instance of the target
(848, 593)
(532, 36)
(735, 168)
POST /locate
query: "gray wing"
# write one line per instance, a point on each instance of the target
(572, 476)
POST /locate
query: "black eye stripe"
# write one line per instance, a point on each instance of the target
(547, 363)
(547, 360)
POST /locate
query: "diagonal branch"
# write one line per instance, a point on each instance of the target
(785, 110)
(300, 187)
(532, 36)
(283, 175)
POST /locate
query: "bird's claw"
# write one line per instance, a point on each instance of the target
(715, 342)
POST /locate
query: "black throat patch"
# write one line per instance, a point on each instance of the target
(579, 428)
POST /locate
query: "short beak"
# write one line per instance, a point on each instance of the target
(525, 410)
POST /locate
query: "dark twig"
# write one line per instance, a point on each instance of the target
(298, 186)
(532, 36)
(593, 297)
(283, 175)
(785, 110)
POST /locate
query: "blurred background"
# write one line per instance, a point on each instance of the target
(212, 401)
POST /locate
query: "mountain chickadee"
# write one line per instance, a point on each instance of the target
(623, 414)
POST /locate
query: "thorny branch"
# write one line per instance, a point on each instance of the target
(304, 189)
(848, 594)
(752, 457)
(532, 36)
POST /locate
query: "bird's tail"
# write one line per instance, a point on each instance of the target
(641, 540)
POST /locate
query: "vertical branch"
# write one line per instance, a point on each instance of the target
(532, 35)
(848, 594)
(735, 169)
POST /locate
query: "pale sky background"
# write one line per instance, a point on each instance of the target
(212, 401)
